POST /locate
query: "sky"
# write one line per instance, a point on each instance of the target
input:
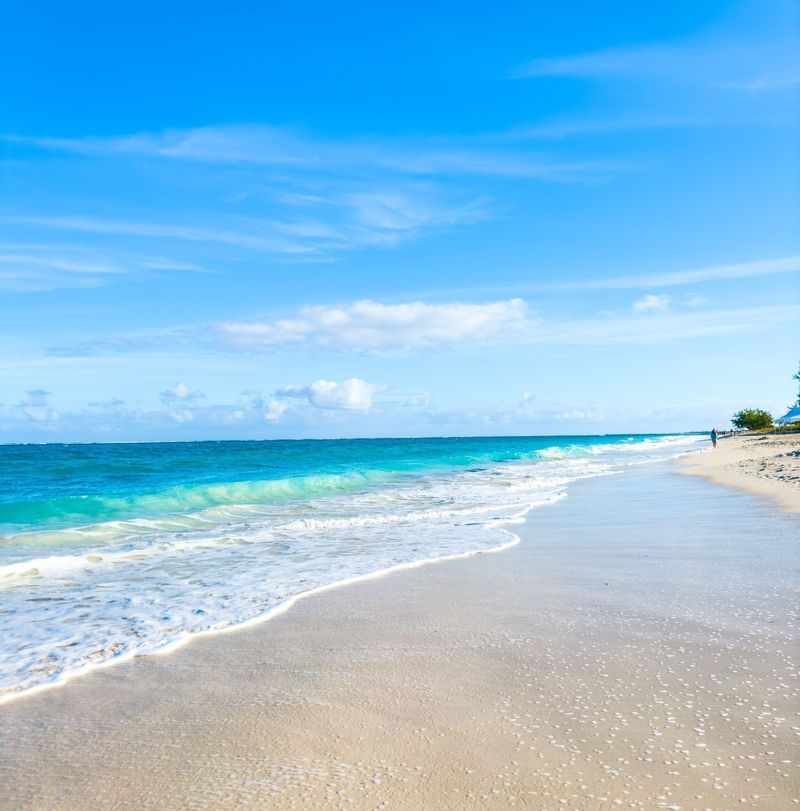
(272, 220)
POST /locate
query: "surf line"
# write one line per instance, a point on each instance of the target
(282, 608)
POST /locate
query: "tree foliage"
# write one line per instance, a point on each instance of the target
(796, 376)
(752, 419)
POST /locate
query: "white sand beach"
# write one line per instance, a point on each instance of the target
(766, 464)
(636, 650)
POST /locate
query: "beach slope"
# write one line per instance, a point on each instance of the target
(635, 650)
(765, 464)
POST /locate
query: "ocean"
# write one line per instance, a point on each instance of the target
(112, 550)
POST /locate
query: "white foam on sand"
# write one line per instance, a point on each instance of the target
(71, 614)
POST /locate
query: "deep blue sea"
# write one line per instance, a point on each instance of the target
(111, 550)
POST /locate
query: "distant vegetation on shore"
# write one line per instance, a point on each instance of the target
(756, 419)
(752, 419)
(796, 376)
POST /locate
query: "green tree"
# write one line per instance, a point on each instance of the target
(796, 376)
(752, 419)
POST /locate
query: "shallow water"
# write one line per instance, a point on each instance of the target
(111, 550)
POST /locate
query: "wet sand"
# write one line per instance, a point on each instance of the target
(636, 650)
(765, 464)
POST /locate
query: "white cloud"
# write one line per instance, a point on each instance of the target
(351, 395)
(181, 392)
(274, 410)
(179, 400)
(36, 408)
(181, 415)
(576, 414)
(421, 327)
(252, 399)
(373, 325)
(651, 303)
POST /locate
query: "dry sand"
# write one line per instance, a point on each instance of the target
(766, 464)
(636, 650)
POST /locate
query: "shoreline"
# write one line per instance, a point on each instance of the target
(414, 689)
(186, 638)
(13, 693)
(33, 661)
(267, 616)
(767, 465)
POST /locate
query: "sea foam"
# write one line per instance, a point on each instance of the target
(206, 556)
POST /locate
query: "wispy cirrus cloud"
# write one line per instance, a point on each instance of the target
(754, 269)
(37, 268)
(754, 63)
(614, 123)
(661, 325)
(298, 153)
(764, 82)
(636, 60)
(100, 225)
(738, 71)
(280, 192)
(738, 270)
(340, 220)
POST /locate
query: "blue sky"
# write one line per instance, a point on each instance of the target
(316, 219)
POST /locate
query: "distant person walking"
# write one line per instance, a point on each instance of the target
(714, 437)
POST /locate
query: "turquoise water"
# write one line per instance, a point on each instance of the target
(64, 485)
(111, 550)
